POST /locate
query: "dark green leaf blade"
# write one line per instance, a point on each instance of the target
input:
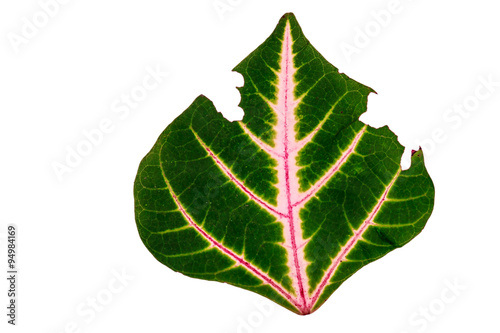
(293, 199)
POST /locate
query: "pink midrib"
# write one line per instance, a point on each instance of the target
(286, 157)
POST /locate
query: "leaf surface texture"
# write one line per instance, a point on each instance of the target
(293, 199)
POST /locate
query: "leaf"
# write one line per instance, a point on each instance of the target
(290, 201)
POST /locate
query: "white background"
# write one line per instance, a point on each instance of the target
(77, 233)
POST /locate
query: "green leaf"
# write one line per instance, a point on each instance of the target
(290, 201)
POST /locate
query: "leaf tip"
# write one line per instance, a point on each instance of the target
(417, 156)
(418, 152)
(288, 16)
